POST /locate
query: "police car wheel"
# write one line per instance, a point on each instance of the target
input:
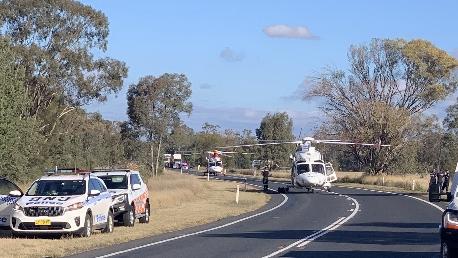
(110, 224)
(145, 218)
(87, 230)
(129, 217)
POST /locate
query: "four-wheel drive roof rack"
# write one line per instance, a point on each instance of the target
(66, 171)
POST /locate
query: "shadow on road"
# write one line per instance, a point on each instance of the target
(353, 254)
(395, 225)
(344, 236)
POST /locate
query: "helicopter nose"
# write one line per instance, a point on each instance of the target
(309, 179)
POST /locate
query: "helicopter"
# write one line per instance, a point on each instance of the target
(214, 162)
(308, 170)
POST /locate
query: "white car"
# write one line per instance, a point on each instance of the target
(69, 203)
(9, 194)
(130, 195)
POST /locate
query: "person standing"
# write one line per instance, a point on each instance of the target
(265, 177)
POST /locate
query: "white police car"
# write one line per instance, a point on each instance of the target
(130, 195)
(64, 202)
(449, 223)
(9, 194)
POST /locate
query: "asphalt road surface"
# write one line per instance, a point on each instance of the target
(344, 223)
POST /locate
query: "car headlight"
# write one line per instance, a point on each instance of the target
(18, 207)
(450, 220)
(75, 206)
(121, 198)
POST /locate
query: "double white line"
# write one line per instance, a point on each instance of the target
(310, 238)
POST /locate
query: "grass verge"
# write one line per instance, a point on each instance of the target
(178, 202)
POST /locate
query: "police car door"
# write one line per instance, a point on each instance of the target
(6, 201)
(99, 214)
(137, 194)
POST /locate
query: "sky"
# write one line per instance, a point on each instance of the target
(247, 58)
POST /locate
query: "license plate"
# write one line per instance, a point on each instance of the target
(42, 222)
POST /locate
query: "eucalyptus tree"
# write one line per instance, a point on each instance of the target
(56, 42)
(387, 84)
(155, 105)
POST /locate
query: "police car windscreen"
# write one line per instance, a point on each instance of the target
(6, 187)
(57, 188)
(115, 181)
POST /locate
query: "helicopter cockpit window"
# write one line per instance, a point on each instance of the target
(319, 168)
(303, 168)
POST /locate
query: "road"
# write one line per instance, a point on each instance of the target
(345, 223)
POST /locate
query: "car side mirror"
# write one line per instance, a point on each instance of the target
(94, 193)
(136, 187)
(15, 193)
(449, 197)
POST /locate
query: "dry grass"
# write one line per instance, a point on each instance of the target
(405, 182)
(178, 201)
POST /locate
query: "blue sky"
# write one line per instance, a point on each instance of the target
(247, 58)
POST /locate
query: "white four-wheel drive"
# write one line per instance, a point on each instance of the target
(76, 203)
(130, 195)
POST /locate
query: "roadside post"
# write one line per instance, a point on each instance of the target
(237, 193)
(245, 183)
(208, 176)
(413, 185)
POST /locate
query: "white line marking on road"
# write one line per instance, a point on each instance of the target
(310, 238)
(198, 232)
(421, 200)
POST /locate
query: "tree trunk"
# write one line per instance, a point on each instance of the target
(152, 157)
(158, 154)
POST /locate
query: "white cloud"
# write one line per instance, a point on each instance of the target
(285, 31)
(231, 55)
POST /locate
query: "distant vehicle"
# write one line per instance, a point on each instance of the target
(67, 201)
(256, 163)
(130, 195)
(184, 165)
(9, 194)
(449, 223)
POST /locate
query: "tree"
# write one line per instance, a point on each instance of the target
(155, 105)
(276, 127)
(54, 40)
(18, 140)
(389, 82)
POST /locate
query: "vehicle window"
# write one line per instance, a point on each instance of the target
(135, 179)
(6, 187)
(101, 186)
(57, 188)
(211, 164)
(319, 168)
(115, 181)
(219, 163)
(303, 168)
(93, 185)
